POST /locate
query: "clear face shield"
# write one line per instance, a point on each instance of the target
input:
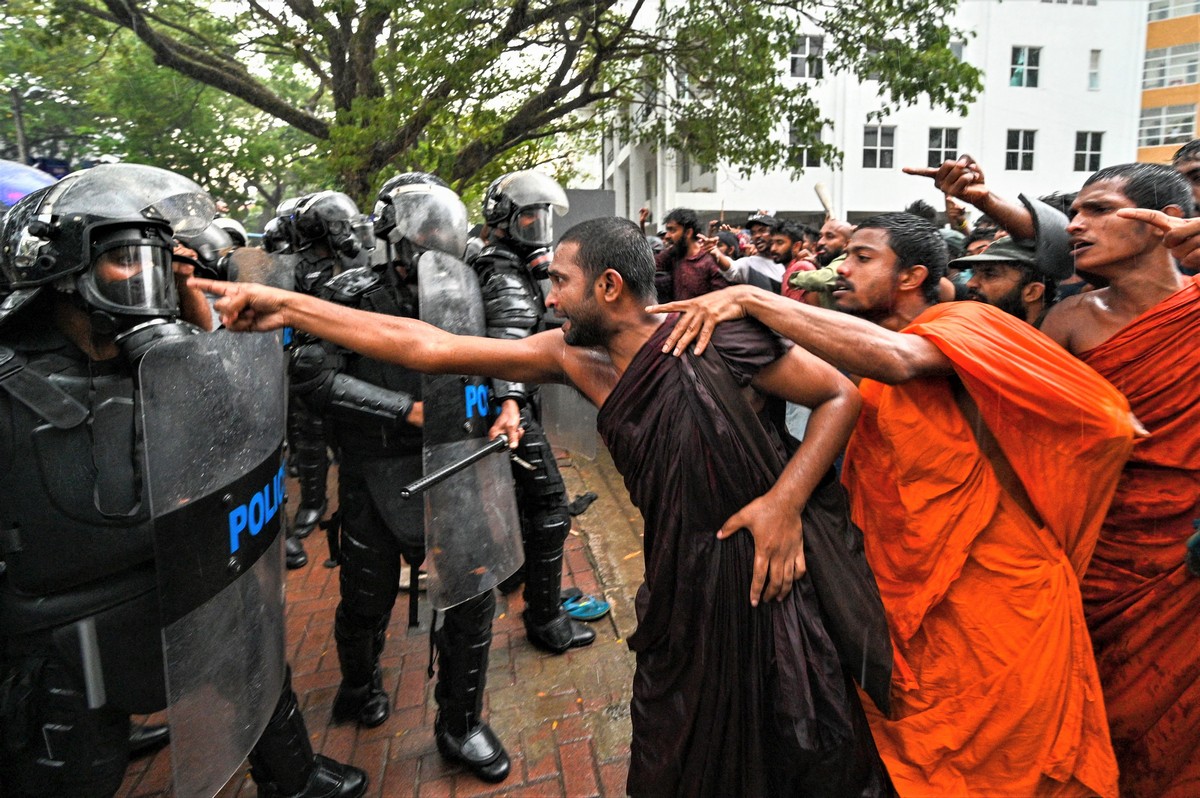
(533, 225)
(132, 274)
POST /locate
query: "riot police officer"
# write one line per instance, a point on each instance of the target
(90, 299)
(213, 249)
(518, 209)
(375, 413)
(314, 263)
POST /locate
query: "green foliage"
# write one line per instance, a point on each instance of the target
(350, 92)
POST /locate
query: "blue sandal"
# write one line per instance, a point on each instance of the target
(586, 608)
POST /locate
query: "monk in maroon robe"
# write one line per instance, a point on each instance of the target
(740, 688)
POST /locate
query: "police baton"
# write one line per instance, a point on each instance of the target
(499, 444)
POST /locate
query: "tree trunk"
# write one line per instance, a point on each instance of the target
(19, 124)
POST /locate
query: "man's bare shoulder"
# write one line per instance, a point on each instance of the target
(589, 368)
(1072, 321)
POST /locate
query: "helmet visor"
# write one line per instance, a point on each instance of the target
(533, 225)
(136, 278)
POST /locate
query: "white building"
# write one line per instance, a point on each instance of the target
(1061, 97)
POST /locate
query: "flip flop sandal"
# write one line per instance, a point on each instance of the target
(586, 608)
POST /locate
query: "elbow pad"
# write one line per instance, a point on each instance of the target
(310, 366)
(353, 399)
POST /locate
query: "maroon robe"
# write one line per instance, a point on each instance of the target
(728, 699)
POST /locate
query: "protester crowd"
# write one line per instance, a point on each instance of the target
(970, 572)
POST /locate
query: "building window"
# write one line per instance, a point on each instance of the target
(1087, 150)
(956, 49)
(806, 57)
(879, 146)
(1094, 71)
(1024, 68)
(1168, 9)
(800, 155)
(685, 168)
(1168, 124)
(943, 145)
(1018, 155)
(1171, 66)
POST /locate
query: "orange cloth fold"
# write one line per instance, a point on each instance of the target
(1140, 601)
(996, 691)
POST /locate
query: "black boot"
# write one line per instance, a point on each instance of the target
(306, 434)
(360, 698)
(307, 519)
(547, 625)
(282, 763)
(294, 556)
(462, 735)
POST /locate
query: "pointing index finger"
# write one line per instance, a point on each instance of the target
(920, 171)
(1157, 218)
(216, 287)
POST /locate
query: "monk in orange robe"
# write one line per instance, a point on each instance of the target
(1142, 332)
(980, 471)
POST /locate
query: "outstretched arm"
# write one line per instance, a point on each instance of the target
(851, 344)
(250, 307)
(774, 518)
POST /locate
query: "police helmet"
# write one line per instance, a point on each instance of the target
(426, 213)
(105, 233)
(521, 204)
(235, 230)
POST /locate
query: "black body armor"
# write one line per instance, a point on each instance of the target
(513, 303)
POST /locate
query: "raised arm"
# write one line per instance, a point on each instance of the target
(250, 307)
(963, 179)
(849, 343)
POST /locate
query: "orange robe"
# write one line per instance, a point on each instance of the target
(1141, 603)
(995, 691)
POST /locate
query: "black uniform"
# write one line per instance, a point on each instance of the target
(514, 306)
(308, 445)
(78, 555)
(365, 403)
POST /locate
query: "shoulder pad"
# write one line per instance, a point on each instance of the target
(348, 286)
(497, 255)
(38, 393)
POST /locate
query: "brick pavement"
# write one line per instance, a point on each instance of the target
(564, 720)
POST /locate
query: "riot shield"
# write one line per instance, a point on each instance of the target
(569, 419)
(254, 265)
(212, 411)
(472, 532)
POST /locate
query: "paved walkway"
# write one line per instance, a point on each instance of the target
(564, 719)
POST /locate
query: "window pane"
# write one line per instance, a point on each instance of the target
(889, 136)
(1081, 141)
(952, 138)
(869, 159)
(885, 159)
(871, 136)
(1080, 162)
(1010, 161)
(1014, 139)
(1027, 162)
(935, 137)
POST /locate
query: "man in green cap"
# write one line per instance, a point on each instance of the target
(1006, 275)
